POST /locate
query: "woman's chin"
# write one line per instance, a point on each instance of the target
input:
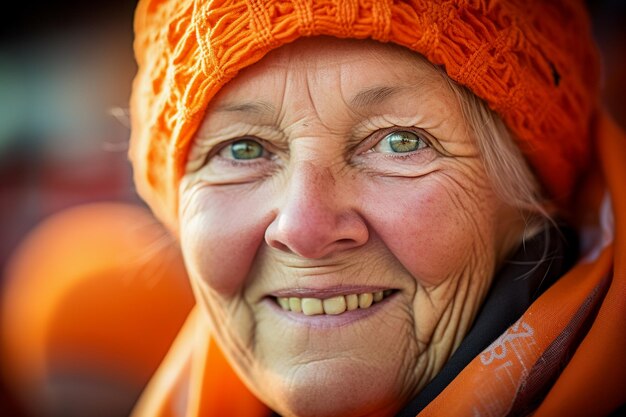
(356, 363)
(349, 389)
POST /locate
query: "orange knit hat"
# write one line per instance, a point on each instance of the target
(532, 61)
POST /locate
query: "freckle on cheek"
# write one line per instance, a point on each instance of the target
(422, 231)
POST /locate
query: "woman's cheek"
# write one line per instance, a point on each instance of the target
(430, 225)
(220, 236)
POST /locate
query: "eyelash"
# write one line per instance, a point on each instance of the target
(241, 164)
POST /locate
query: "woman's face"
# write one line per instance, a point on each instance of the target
(328, 175)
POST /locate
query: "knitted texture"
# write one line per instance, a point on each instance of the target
(532, 61)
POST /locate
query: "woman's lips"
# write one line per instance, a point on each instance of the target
(313, 303)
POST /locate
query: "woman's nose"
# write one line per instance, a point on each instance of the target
(315, 218)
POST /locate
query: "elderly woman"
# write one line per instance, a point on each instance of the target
(383, 208)
(380, 207)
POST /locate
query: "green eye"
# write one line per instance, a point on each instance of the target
(401, 142)
(246, 149)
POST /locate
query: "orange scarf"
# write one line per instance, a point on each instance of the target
(584, 310)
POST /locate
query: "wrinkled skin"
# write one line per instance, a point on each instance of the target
(325, 203)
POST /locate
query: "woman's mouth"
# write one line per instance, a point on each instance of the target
(336, 305)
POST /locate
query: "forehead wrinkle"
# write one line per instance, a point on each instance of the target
(305, 105)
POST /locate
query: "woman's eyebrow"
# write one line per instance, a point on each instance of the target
(254, 107)
(374, 95)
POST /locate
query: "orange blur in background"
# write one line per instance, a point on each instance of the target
(93, 289)
(93, 298)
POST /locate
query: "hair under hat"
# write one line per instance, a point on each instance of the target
(532, 61)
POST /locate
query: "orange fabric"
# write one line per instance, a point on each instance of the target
(95, 291)
(508, 373)
(594, 380)
(518, 55)
(195, 379)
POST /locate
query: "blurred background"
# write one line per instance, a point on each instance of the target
(66, 69)
(63, 66)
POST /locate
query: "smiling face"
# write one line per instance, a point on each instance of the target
(338, 226)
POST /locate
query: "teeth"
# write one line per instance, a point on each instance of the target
(366, 300)
(352, 302)
(334, 305)
(312, 306)
(284, 303)
(295, 305)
